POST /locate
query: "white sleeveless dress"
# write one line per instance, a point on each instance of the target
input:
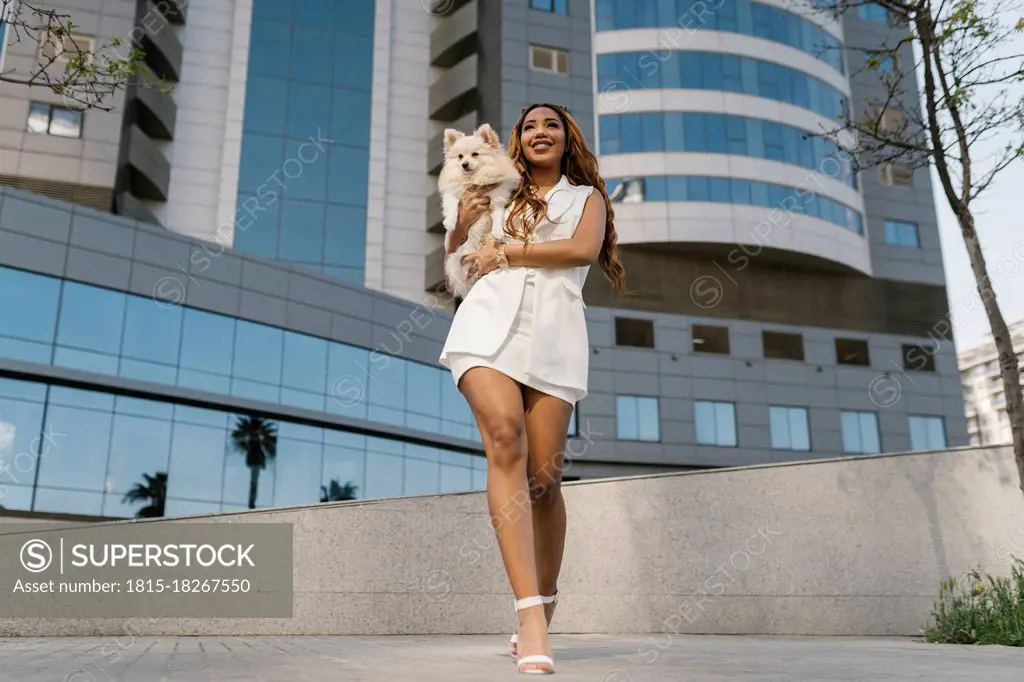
(528, 323)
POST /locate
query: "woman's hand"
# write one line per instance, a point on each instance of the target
(483, 261)
(473, 204)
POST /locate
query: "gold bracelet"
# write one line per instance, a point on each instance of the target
(502, 259)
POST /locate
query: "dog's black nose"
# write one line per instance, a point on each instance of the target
(465, 164)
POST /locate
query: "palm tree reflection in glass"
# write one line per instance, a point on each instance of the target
(256, 439)
(338, 492)
(154, 490)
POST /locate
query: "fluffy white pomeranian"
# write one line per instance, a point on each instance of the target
(474, 161)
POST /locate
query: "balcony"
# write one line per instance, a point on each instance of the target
(435, 148)
(174, 10)
(130, 207)
(434, 270)
(454, 94)
(155, 112)
(456, 38)
(435, 217)
(148, 173)
(157, 39)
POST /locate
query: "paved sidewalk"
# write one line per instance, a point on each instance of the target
(594, 658)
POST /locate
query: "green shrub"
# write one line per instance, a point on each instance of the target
(980, 610)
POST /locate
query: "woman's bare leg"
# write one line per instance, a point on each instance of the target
(497, 405)
(547, 423)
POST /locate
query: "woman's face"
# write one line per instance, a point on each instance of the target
(543, 138)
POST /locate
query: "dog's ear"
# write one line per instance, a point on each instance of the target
(487, 134)
(451, 136)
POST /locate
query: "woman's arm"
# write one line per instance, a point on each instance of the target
(582, 248)
(474, 203)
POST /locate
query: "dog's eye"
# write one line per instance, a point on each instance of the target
(476, 154)
(460, 156)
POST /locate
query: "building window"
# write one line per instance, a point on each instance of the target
(869, 11)
(860, 433)
(637, 418)
(50, 119)
(708, 339)
(918, 358)
(852, 352)
(901, 233)
(781, 346)
(549, 60)
(927, 433)
(634, 332)
(716, 423)
(60, 49)
(895, 174)
(553, 6)
(789, 427)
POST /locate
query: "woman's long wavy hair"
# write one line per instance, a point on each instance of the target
(579, 165)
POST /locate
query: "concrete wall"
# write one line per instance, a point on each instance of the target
(847, 547)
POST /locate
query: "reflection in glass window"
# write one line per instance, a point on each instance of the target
(27, 320)
(207, 342)
(692, 70)
(789, 428)
(91, 318)
(258, 350)
(219, 354)
(927, 433)
(738, 16)
(744, 192)
(709, 132)
(152, 332)
(305, 363)
(21, 423)
(901, 233)
(860, 433)
(307, 134)
(139, 447)
(869, 11)
(637, 418)
(79, 458)
(422, 471)
(196, 469)
(299, 463)
(715, 422)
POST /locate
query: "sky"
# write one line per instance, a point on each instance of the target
(999, 218)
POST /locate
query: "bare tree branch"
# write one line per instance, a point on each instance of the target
(966, 66)
(85, 75)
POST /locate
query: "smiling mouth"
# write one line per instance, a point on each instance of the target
(541, 146)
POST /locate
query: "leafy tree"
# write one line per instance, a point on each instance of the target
(84, 75)
(963, 53)
(256, 439)
(154, 490)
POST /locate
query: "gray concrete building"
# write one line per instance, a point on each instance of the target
(227, 295)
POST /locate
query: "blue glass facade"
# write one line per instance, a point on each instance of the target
(745, 192)
(735, 16)
(74, 325)
(656, 70)
(306, 134)
(88, 452)
(722, 134)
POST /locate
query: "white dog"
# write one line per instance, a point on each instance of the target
(474, 161)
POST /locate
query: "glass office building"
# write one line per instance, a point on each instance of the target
(309, 76)
(127, 388)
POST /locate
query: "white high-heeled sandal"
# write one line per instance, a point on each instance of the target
(514, 642)
(526, 603)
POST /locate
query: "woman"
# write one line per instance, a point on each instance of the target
(518, 350)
